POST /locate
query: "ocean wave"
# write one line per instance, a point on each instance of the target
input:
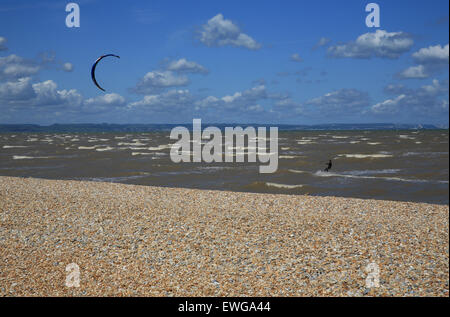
(131, 143)
(283, 185)
(399, 179)
(108, 148)
(134, 148)
(160, 147)
(13, 146)
(21, 157)
(87, 147)
(361, 156)
(287, 156)
(406, 137)
(297, 171)
(140, 153)
(116, 179)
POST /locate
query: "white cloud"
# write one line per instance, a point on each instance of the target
(67, 67)
(221, 32)
(22, 93)
(288, 106)
(388, 106)
(13, 66)
(16, 91)
(48, 95)
(103, 103)
(430, 60)
(183, 65)
(413, 72)
(170, 101)
(296, 58)
(432, 54)
(323, 41)
(247, 100)
(340, 102)
(154, 81)
(381, 44)
(428, 100)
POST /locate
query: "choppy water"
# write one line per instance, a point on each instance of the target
(395, 165)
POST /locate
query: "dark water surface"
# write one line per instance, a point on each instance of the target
(410, 165)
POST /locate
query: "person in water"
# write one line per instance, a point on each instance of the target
(328, 166)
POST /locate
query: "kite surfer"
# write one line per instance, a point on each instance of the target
(329, 164)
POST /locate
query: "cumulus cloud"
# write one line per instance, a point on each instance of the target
(3, 44)
(414, 72)
(23, 93)
(388, 106)
(184, 66)
(221, 32)
(47, 94)
(67, 67)
(171, 101)
(429, 60)
(13, 67)
(340, 102)
(323, 41)
(17, 91)
(103, 103)
(432, 54)
(380, 44)
(243, 101)
(296, 58)
(288, 106)
(425, 101)
(154, 81)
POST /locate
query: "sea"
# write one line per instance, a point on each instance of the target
(388, 164)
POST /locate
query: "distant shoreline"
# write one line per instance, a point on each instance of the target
(105, 127)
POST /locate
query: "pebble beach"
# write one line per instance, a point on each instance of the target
(130, 240)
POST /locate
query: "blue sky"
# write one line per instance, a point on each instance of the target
(300, 62)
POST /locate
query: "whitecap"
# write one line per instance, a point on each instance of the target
(13, 146)
(366, 155)
(399, 179)
(87, 147)
(20, 157)
(108, 148)
(160, 147)
(131, 144)
(282, 185)
(140, 153)
(297, 171)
